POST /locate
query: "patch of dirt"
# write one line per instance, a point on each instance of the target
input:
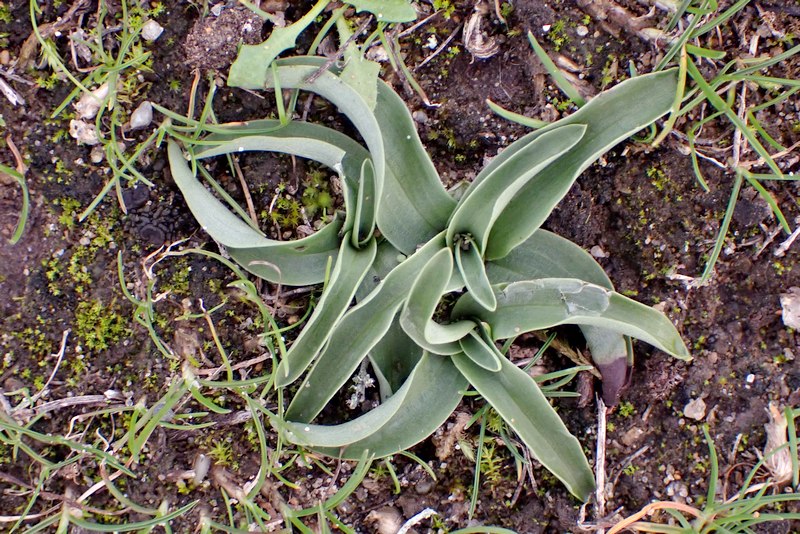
(641, 208)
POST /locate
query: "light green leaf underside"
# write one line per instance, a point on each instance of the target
(544, 303)
(520, 402)
(473, 271)
(351, 266)
(423, 299)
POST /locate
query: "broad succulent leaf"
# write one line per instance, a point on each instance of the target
(480, 348)
(473, 270)
(547, 255)
(415, 206)
(351, 266)
(475, 214)
(420, 306)
(610, 117)
(520, 402)
(435, 389)
(300, 262)
(394, 356)
(357, 333)
(547, 302)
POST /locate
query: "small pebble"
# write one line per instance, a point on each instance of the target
(420, 117)
(142, 116)
(97, 154)
(582, 31)
(695, 409)
(790, 308)
(89, 103)
(5, 57)
(598, 252)
(424, 486)
(151, 30)
(85, 133)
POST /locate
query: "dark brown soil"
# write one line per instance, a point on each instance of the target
(641, 210)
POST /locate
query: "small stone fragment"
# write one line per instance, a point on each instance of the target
(598, 252)
(151, 30)
(84, 132)
(386, 520)
(142, 116)
(582, 31)
(777, 456)
(97, 154)
(790, 305)
(632, 436)
(695, 409)
(89, 103)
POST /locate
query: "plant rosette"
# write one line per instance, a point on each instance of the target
(403, 244)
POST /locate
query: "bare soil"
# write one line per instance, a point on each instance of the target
(640, 210)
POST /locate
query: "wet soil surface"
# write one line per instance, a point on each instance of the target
(640, 211)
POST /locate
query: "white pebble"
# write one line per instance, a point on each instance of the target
(695, 409)
(142, 116)
(151, 30)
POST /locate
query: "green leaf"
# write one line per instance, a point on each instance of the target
(356, 334)
(476, 214)
(25, 210)
(435, 388)
(610, 117)
(417, 315)
(395, 356)
(353, 160)
(251, 68)
(546, 255)
(386, 10)
(366, 206)
(414, 205)
(351, 266)
(479, 347)
(547, 302)
(300, 262)
(472, 269)
(359, 73)
(520, 402)
(528, 122)
(310, 148)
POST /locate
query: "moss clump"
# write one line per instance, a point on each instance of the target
(97, 326)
